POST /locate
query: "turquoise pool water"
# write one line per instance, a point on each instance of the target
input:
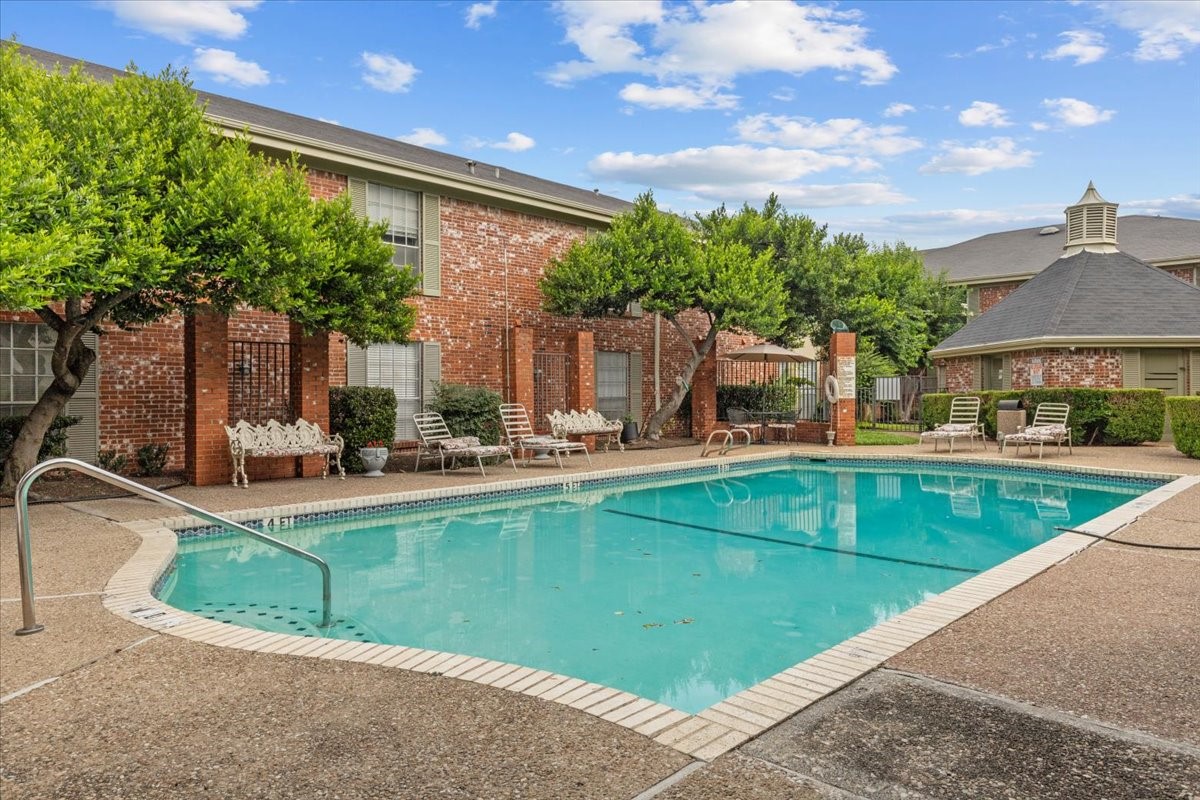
(684, 593)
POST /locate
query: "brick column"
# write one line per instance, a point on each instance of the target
(206, 405)
(520, 367)
(310, 387)
(842, 355)
(581, 380)
(704, 395)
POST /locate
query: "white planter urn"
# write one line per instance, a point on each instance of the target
(373, 459)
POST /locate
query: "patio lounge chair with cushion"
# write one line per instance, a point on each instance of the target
(740, 419)
(1049, 425)
(518, 432)
(964, 423)
(437, 441)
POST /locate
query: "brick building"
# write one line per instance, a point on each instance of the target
(479, 235)
(1095, 317)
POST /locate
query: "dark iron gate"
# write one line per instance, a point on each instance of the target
(550, 387)
(260, 382)
(892, 403)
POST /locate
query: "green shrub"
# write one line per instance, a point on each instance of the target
(112, 461)
(1185, 424)
(152, 459)
(469, 411)
(778, 396)
(361, 414)
(1098, 416)
(53, 446)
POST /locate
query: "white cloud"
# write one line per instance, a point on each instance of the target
(1086, 47)
(714, 43)
(785, 94)
(480, 11)
(1076, 113)
(423, 137)
(183, 20)
(330, 121)
(1039, 126)
(735, 174)
(992, 154)
(981, 114)
(836, 135)
(225, 67)
(515, 143)
(679, 98)
(898, 110)
(1166, 29)
(1179, 205)
(387, 73)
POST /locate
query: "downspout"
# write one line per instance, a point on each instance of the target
(505, 339)
(657, 365)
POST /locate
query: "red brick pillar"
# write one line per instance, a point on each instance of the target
(842, 355)
(520, 367)
(704, 395)
(581, 380)
(310, 387)
(206, 407)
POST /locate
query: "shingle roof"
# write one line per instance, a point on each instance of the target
(1109, 295)
(1025, 252)
(292, 124)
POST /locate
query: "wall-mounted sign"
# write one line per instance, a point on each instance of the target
(846, 377)
(1035, 372)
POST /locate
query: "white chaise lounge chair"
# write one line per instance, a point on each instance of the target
(518, 433)
(1049, 425)
(437, 441)
(964, 424)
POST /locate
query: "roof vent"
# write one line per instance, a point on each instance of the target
(497, 173)
(1049, 230)
(1091, 224)
(471, 166)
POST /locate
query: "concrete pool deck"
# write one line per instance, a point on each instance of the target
(1105, 644)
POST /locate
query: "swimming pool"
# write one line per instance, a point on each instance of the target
(683, 589)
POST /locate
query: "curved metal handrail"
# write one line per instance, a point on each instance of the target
(25, 563)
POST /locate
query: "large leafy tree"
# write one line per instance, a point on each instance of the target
(121, 204)
(881, 292)
(661, 262)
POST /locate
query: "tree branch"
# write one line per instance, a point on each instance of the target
(48, 316)
(683, 334)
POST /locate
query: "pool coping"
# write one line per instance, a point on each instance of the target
(705, 735)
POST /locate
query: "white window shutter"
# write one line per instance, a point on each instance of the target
(83, 438)
(431, 370)
(357, 188)
(356, 365)
(1006, 371)
(1131, 369)
(1194, 370)
(976, 372)
(431, 244)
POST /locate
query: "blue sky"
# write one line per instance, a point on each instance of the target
(930, 122)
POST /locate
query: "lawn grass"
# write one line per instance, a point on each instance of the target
(870, 436)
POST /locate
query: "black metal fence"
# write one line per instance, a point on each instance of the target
(260, 382)
(892, 403)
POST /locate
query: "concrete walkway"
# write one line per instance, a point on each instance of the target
(1079, 683)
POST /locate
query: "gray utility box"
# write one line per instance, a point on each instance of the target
(1010, 417)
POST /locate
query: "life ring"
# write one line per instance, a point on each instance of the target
(832, 389)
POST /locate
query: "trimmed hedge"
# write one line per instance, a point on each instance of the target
(361, 414)
(54, 445)
(1098, 416)
(1185, 424)
(755, 397)
(469, 411)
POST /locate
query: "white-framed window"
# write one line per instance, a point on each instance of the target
(401, 209)
(25, 351)
(612, 384)
(398, 367)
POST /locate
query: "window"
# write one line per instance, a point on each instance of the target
(25, 371)
(398, 367)
(612, 384)
(401, 209)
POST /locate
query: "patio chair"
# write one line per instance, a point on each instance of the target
(783, 422)
(518, 432)
(740, 419)
(964, 424)
(1049, 425)
(437, 441)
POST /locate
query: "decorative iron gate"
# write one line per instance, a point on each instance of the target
(550, 390)
(892, 403)
(260, 382)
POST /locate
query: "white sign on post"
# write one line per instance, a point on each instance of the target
(846, 377)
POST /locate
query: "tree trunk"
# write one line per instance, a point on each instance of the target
(660, 418)
(70, 363)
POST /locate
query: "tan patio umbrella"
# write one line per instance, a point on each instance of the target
(769, 353)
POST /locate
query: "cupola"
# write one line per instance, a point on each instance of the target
(1091, 224)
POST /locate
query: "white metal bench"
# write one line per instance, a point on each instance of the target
(589, 423)
(276, 440)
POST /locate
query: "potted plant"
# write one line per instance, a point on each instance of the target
(374, 455)
(630, 432)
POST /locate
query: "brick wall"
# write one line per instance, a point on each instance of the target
(1097, 368)
(1185, 273)
(960, 374)
(325, 185)
(993, 293)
